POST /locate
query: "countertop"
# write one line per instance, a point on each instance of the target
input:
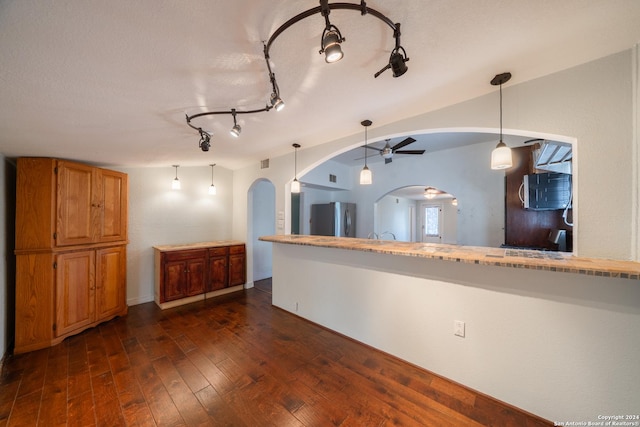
(501, 257)
(198, 245)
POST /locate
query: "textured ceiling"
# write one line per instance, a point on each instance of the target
(110, 82)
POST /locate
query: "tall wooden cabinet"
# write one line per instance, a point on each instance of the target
(71, 236)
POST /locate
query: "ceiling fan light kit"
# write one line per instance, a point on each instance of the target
(388, 151)
(330, 44)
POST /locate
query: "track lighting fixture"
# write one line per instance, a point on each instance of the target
(330, 45)
(501, 155)
(331, 37)
(277, 102)
(212, 188)
(295, 184)
(398, 57)
(365, 174)
(205, 140)
(175, 184)
(236, 129)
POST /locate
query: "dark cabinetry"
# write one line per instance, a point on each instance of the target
(184, 274)
(530, 228)
(187, 273)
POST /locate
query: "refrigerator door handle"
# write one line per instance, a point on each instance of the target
(347, 223)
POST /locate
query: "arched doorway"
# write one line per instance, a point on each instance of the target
(416, 213)
(261, 203)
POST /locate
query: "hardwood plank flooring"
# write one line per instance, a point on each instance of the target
(231, 361)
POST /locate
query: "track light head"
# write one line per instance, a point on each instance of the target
(397, 61)
(330, 46)
(277, 102)
(235, 130)
(205, 141)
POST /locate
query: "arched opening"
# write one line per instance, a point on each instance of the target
(261, 222)
(416, 213)
(490, 212)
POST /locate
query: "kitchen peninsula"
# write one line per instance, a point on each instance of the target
(547, 332)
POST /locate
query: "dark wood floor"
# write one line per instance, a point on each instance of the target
(234, 361)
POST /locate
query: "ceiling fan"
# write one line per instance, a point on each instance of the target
(388, 151)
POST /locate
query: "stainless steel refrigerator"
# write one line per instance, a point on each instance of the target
(333, 219)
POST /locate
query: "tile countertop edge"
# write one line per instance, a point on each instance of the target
(500, 257)
(198, 245)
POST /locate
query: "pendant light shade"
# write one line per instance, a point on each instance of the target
(295, 184)
(366, 178)
(212, 188)
(501, 156)
(175, 184)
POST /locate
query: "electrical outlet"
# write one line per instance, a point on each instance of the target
(296, 306)
(458, 328)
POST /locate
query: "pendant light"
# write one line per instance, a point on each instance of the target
(212, 188)
(295, 185)
(501, 155)
(175, 184)
(365, 174)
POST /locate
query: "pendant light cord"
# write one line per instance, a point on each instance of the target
(365, 146)
(500, 112)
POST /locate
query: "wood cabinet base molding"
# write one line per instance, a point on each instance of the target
(193, 272)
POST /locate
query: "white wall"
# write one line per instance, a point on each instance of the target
(319, 176)
(576, 103)
(159, 215)
(393, 215)
(562, 346)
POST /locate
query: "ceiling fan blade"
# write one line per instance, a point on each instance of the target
(372, 148)
(410, 152)
(404, 143)
(389, 160)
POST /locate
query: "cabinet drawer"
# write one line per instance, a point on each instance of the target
(218, 251)
(188, 254)
(237, 249)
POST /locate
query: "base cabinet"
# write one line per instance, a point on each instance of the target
(187, 273)
(184, 274)
(62, 294)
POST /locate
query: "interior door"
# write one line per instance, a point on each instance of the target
(431, 221)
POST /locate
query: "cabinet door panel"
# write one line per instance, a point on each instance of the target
(174, 283)
(237, 269)
(218, 272)
(75, 291)
(112, 203)
(110, 281)
(196, 276)
(75, 222)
